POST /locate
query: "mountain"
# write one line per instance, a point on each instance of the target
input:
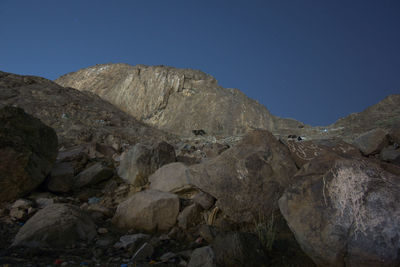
(176, 100)
(182, 100)
(77, 117)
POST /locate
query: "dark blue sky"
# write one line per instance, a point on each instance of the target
(315, 61)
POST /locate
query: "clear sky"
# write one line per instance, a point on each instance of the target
(312, 60)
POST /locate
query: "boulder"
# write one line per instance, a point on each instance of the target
(61, 178)
(94, 174)
(239, 249)
(202, 257)
(148, 210)
(372, 141)
(390, 154)
(56, 226)
(205, 200)
(190, 216)
(142, 160)
(174, 177)
(28, 149)
(344, 212)
(304, 151)
(247, 179)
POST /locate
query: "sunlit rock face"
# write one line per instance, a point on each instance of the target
(177, 100)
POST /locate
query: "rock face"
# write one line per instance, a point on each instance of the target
(343, 212)
(28, 149)
(247, 179)
(140, 161)
(77, 117)
(183, 100)
(148, 210)
(177, 100)
(304, 151)
(56, 225)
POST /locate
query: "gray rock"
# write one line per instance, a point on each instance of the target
(141, 161)
(149, 210)
(61, 178)
(372, 141)
(131, 240)
(206, 201)
(44, 202)
(247, 179)
(202, 257)
(94, 174)
(190, 216)
(390, 154)
(28, 149)
(56, 225)
(344, 212)
(174, 177)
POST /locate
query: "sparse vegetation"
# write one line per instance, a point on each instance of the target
(265, 229)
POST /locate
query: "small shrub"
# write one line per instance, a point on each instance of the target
(266, 230)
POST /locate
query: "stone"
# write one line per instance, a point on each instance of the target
(142, 160)
(148, 210)
(131, 240)
(143, 253)
(56, 226)
(102, 230)
(206, 201)
(390, 154)
(93, 175)
(239, 249)
(190, 216)
(42, 202)
(372, 141)
(247, 179)
(28, 149)
(207, 232)
(202, 257)
(343, 212)
(174, 178)
(61, 178)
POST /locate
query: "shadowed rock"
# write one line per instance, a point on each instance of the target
(28, 149)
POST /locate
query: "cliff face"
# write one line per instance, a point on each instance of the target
(176, 100)
(76, 116)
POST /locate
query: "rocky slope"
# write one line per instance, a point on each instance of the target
(121, 193)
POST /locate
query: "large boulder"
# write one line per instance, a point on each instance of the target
(345, 212)
(148, 210)
(57, 225)
(372, 141)
(142, 160)
(28, 149)
(174, 177)
(247, 179)
(94, 174)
